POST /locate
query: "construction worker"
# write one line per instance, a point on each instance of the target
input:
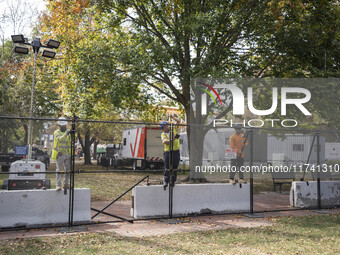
(62, 152)
(237, 142)
(171, 151)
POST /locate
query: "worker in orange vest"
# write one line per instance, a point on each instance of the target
(237, 142)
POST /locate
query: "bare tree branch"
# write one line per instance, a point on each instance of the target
(160, 90)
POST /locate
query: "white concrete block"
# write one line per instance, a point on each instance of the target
(38, 207)
(304, 196)
(153, 201)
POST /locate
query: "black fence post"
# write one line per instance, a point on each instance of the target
(71, 179)
(318, 169)
(171, 145)
(251, 131)
(309, 155)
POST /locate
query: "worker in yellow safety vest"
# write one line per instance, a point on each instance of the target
(171, 156)
(62, 152)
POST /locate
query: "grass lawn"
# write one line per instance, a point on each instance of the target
(298, 235)
(104, 186)
(107, 186)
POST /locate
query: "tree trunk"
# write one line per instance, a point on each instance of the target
(195, 137)
(87, 148)
(26, 134)
(196, 154)
(94, 154)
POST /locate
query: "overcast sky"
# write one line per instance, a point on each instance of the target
(25, 7)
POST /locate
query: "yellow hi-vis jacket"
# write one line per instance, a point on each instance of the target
(62, 143)
(165, 137)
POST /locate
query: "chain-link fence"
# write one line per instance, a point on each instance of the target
(112, 171)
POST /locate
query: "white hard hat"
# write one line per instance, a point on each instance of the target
(62, 121)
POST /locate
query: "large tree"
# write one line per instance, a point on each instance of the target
(89, 83)
(166, 44)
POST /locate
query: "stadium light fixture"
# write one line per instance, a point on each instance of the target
(52, 44)
(18, 38)
(36, 45)
(48, 54)
(21, 50)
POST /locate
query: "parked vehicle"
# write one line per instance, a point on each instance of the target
(112, 157)
(41, 155)
(290, 148)
(8, 158)
(143, 146)
(294, 149)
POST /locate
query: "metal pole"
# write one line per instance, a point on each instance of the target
(251, 173)
(73, 144)
(318, 170)
(31, 111)
(308, 158)
(71, 178)
(171, 170)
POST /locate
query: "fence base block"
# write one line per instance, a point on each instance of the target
(304, 194)
(153, 201)
(40, 207)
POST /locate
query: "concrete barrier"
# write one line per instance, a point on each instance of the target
(40, 207)
(304, 195)
(153, 201)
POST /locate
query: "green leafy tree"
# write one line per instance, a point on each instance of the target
(165, 44)
(89, 83)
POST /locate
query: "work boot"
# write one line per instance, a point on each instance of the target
(165, 185)
(66, 186)
(242, 181)
(232, 181)
(58, 188)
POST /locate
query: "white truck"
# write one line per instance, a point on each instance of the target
(143, 146)
(27, 174)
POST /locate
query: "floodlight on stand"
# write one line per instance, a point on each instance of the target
(36, 45)
(48, 54)
(53, 44)
(21, 50)
(18, 38)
